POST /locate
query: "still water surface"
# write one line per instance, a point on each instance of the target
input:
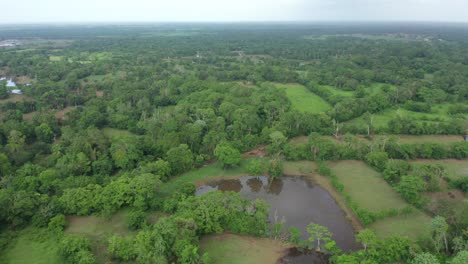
(299, 201)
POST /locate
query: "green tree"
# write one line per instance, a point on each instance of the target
(439, 229)
(317, 234)
(126, 152)
(180, 158)
(460, 258)
(395, 169)
(275, 168)
(425, 258)
(227, 155)
(159, 167)
(5, 165)
(136, 219)
(3, 90)
(377, 159)
(277, 140)
(121, 248)
(255, 167)
(367, 238)
(57, 223)
(410, 187)
(44, 133)
(76, 250)
(190, 255)
(294, 235)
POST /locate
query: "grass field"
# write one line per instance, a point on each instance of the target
(294, 168)
(13, 98)
(455, 168)
(381, 119)
(209, 172)
(55, 58)
(413, 225)
(337, 92)
(94, 226)
(303, 100)
(366, 187)
(235, 249)
(378, 87)
(409, 139)
(33, 245)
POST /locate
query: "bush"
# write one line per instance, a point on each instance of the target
(377, 159)
(255, 167)
(136, 219)
(395, 169)
(121, 248)
(275, 168)
(410, 188)
(76, 250)
(57, 223)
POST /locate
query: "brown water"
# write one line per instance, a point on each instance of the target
(298, 201)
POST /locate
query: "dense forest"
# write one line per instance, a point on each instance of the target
(106, 121)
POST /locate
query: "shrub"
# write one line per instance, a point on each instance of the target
(136, 219)
(57, 223)
(255, 167)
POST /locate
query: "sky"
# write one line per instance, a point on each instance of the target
(43, 11)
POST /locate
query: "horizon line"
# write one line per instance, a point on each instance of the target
(227, 22)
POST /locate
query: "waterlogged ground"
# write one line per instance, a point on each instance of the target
(296, 200)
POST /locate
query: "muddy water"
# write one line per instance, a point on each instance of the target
(298, 201)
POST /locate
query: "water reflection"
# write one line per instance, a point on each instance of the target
(297, 200)
(255, 184)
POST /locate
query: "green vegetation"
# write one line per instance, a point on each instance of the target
(304, 100)
(455, 169)
(117, 125)
(32, 245)
(234, 249)
(414, 226)
(209, 172)
(366, 187)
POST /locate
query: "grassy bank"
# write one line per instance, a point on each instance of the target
(366, 187)
(236, 249)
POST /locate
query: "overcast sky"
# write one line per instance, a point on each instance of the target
(30, 11)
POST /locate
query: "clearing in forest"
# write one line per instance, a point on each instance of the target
(413, 226)
(32, 245)
(236, 249)
(207, 173)
(366, 187)
(303, 100)
(455, 169)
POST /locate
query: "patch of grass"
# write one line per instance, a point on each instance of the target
(413, 226)
(113, 133)
(209, 172)
(382, 118)
(409, 139)
(455, 168)
(98, 230)
(94, 226)
(378, 87)
(366, 187)
(13, 98)
(55, 58)
(303, 100)
(337, 92)
(235, 249)
(32, 245)
(298, 168)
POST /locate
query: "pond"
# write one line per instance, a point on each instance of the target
(296, 199)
